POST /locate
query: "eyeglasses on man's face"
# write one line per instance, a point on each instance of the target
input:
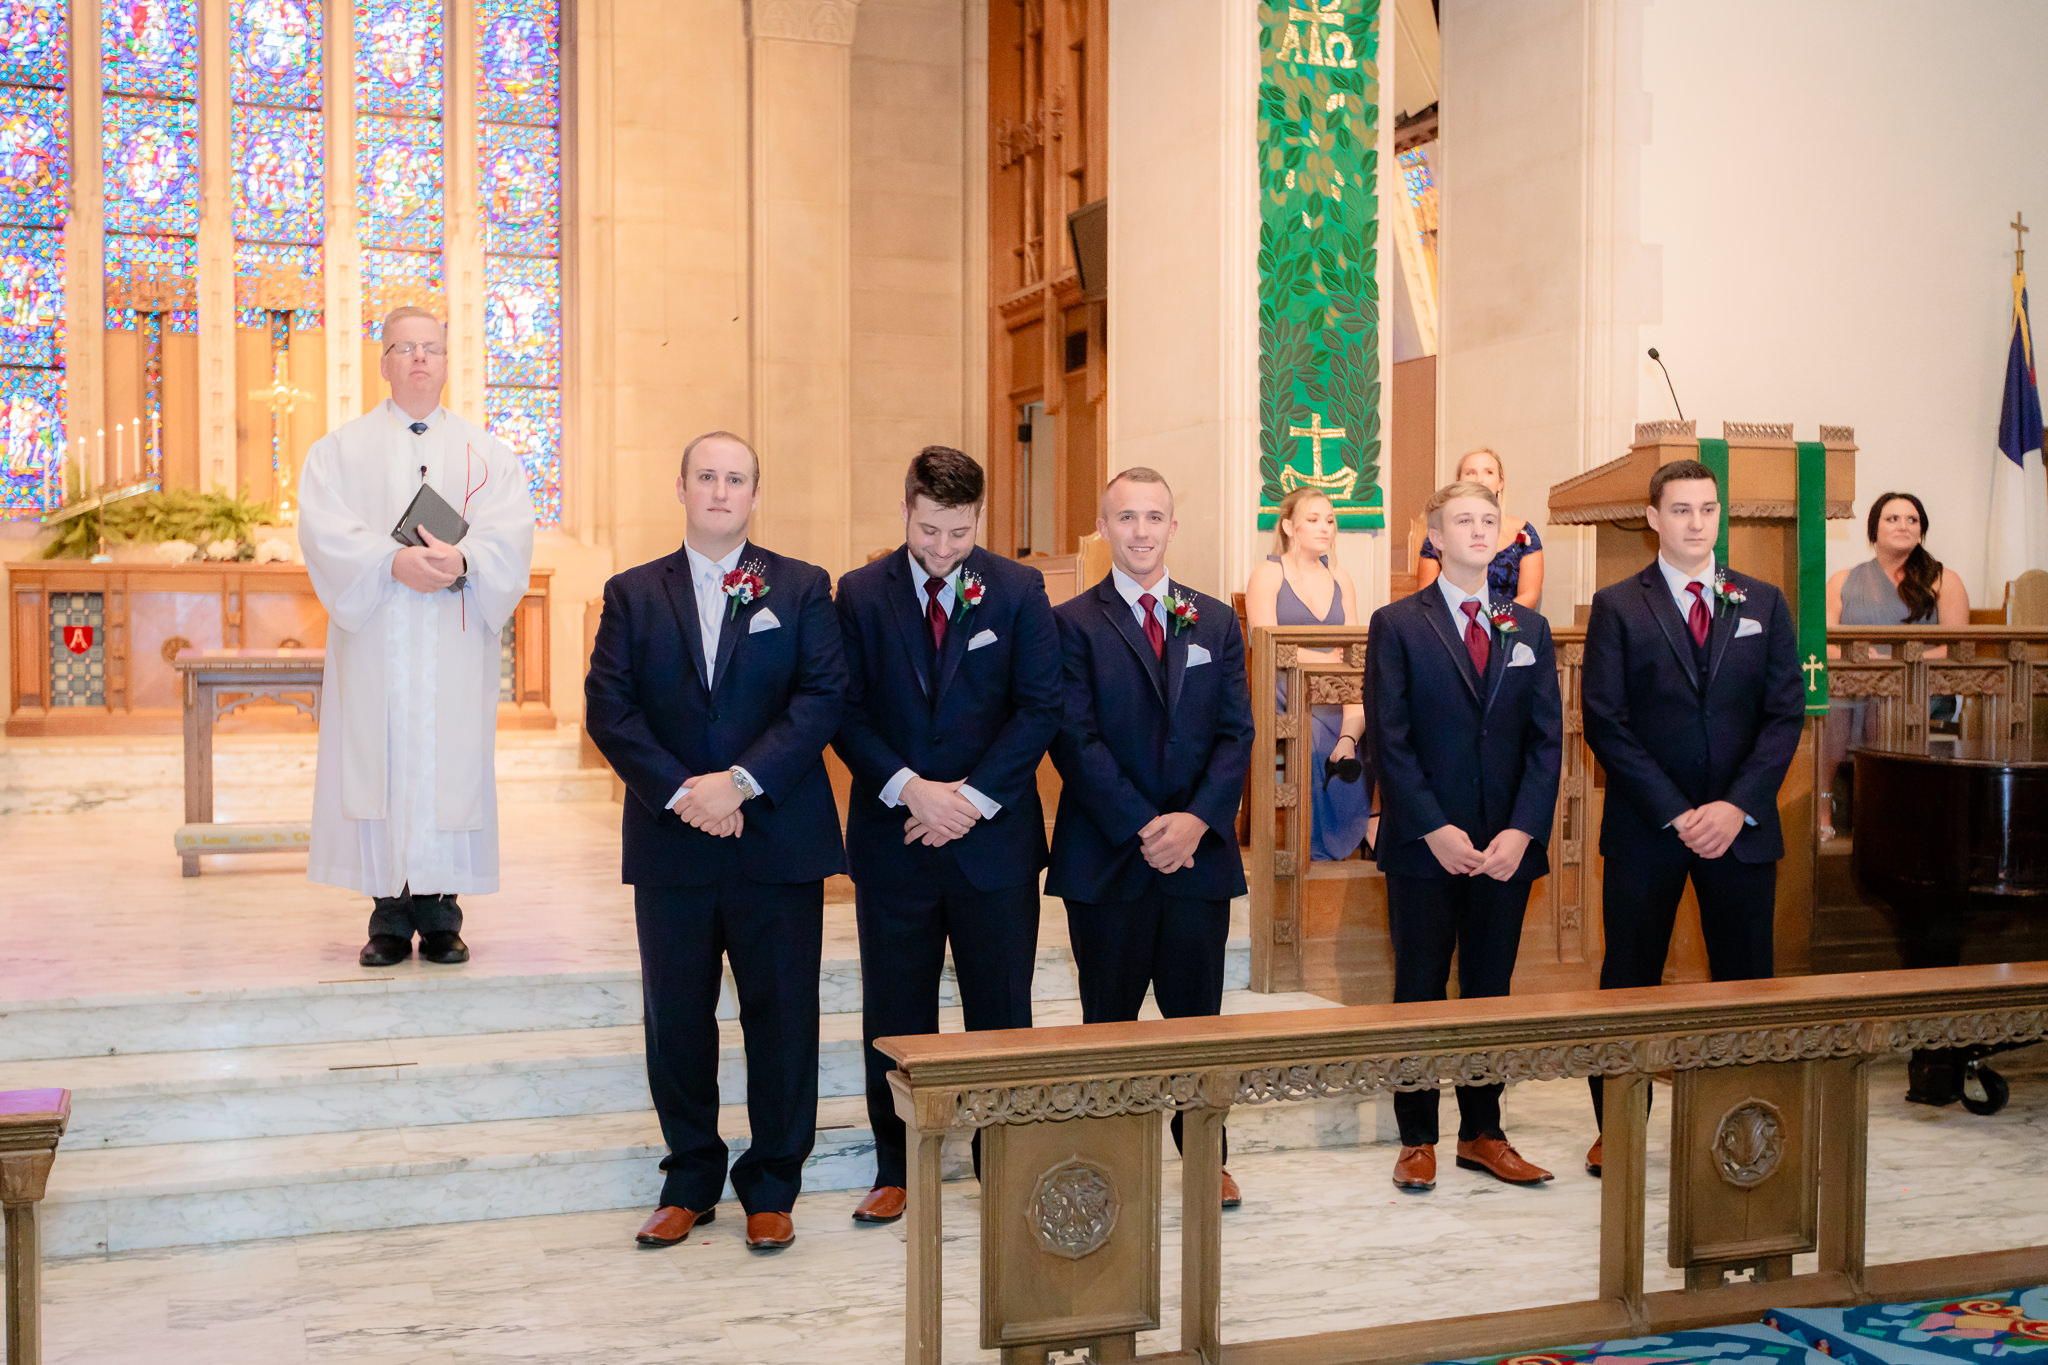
(403, 349)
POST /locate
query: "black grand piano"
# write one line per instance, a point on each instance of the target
(1953, 838)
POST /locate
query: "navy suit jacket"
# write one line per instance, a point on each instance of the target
(778, 698)
(1670, 743)
(983, 711)
(1143, 737)
(1452, 746)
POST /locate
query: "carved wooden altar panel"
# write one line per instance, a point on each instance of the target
(147, 612)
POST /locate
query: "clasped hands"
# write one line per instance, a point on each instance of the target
(1498, 860)
(429, 568)
(1708, 830)
(939, 811)
(712, 803)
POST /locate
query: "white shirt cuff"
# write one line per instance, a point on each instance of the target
(678, 796)
(892, 790)
(987, 807)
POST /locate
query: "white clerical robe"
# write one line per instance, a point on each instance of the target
(406, 788)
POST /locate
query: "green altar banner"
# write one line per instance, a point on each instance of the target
(1714, 455)
(1319, 224)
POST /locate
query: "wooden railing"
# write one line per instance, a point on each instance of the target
(31, 1124)
(1321, 927)
(1769, 1128)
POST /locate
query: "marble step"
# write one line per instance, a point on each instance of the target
(189, 1194)
(266, 773)
(141, 1099)
(417, 1001)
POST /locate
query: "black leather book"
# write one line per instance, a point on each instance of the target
(431, 510)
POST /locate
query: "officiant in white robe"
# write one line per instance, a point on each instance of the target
(405, 795)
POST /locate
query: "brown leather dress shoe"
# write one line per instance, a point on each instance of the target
(884, 1204)
(769, 1231)
(1231, 1198)
(1416, 1168)
(1593, 1157)
(1498, 1159)
(670, 1225)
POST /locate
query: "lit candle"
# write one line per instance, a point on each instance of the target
(99, 472)
(156, 444)
(120, 452)
(80, 469)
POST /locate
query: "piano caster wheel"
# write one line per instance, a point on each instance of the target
(1984, 1090)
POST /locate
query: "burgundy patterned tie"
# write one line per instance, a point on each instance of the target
(1476, 642)
(1155, 634)
(1696, 620)
(932, 614)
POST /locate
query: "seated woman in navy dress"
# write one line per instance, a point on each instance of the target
(1298, 586)
(1517, 570)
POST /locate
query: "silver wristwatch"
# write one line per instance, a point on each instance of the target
(748, 791)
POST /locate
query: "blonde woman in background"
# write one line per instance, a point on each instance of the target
(1517, 567)
(1299, 586)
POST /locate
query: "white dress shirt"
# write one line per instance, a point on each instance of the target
(1457, 598)
(1681, 594)
(707, 580)
(892, 792)
(1127, 588)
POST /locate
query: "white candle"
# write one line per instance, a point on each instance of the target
(156, 444)
(100, 464)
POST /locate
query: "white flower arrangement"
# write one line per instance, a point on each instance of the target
(273, 550)
(177, 551)
(223, 550)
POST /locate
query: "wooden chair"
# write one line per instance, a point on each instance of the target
(2026, 599)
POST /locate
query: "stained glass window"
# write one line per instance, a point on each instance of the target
(149, 143)
(519, 99)
(35, 176)
(278, 159)
(399, 168)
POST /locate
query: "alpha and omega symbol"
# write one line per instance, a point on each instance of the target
(1073, 1208)
(1749, 1143)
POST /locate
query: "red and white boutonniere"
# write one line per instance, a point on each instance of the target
(972, 590)
(744, 586)
(1181, 611)
(1524, 539)
(1728, 592)
(1503, 617)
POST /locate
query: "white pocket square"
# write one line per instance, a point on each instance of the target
(1748, 627)
(763, 620)
(1197, 656)
(1522, 656)
(986, 637)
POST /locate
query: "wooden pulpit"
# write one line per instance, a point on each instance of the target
(1761, 505)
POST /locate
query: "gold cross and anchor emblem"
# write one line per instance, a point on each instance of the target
(1340, 484)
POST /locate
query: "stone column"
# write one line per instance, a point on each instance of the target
(85, 282)
(342, 252)
(465, 242)
(216, 247)
(800, 201)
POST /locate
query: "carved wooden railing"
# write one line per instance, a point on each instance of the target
(2003, 670)
(1321, 927)
(1769, 1129)
(31, 1124)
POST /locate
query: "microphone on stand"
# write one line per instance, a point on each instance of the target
(1667, 383)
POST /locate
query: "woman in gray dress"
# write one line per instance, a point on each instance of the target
(1283, 592)
(1901, 584)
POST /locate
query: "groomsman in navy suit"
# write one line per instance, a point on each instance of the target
(954, 665)
(715, 684)
(1694, 706)
(1152, 754)
(1467, 734)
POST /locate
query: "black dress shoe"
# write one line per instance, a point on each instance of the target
(384, 950)
(444, 946)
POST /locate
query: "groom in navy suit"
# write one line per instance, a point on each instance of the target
(1467, 734)
(1694, 707)
(954, 664)
(715, 684)
(1152, 754)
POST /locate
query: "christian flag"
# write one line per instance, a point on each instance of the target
(2018, 538)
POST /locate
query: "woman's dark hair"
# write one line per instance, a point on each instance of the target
(1920, 586)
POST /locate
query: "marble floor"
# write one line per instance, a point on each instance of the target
(1322, 1242)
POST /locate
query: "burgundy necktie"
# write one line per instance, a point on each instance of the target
(1697, 618)
(1476, 643)
(1154, 632)
(932, 614)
